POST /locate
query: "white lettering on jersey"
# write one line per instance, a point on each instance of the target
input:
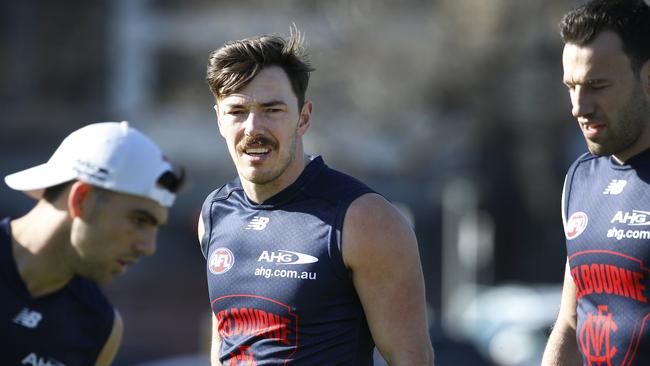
(286, 257)
(634, 218)
(33, 360)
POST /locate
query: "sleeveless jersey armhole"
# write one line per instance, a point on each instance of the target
(566, 189)
(206, 216)
(336, 239)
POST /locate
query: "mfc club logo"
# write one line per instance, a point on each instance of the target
(221, 260)
(595, 337)
(576, 224)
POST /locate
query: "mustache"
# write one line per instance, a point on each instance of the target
(254, 141)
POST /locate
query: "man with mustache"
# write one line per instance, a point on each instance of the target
(604, 311)
(306, 265)
(102, 197)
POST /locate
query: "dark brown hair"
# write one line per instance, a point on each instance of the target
(629, 19)
(233, 66)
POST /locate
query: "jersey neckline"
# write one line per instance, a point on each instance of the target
(311, 170)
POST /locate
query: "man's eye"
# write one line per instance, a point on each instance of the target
(140, 221)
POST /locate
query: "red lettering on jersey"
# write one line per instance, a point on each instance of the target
(609, 279)
(285, 330)
(606, 278)
(586, 279)
(616, 280)
(273, 329)
(576, 280)
(239, 325)
(628, 284)
(254, 322)
(597, 280)
(638, 277)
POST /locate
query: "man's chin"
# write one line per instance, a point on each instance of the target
(256, 176)
(260, 175)
(597, 152)
(101, 280)
(597, 149)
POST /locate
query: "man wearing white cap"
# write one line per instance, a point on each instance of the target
(101, 198)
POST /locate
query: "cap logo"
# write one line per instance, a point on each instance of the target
(91, 170)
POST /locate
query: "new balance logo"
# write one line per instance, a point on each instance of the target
(615, 186)
(258, 223)
(28, 318)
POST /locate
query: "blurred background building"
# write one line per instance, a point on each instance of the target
(454, 109)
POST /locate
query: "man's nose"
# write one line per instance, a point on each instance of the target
(254, 123)
(582, 103)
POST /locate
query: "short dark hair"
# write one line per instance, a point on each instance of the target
(233, 66)
(52, 193)
(629, 19)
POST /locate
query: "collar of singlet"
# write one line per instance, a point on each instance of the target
(311, 170)
(640, 159)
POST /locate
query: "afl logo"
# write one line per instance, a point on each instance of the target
(221, 260)
(576, 224)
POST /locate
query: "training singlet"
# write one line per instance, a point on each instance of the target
(278, 286)
(66, 328)
(607, 226)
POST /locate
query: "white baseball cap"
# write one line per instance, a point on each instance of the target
(110, 155)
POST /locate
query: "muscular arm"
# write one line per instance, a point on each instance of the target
(380, 249)
(562, 348)
(111, 346)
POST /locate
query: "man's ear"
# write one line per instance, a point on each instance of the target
(644, 75)
(78, 198)
(305, 117)
(216, 111)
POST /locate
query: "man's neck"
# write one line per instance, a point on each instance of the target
(260, 193)
(39, 241)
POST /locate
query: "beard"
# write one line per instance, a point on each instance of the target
(272, 173)
(627, 129)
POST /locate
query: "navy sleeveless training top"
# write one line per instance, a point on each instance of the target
(278, 286)
(66, 328)
(607, 227)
